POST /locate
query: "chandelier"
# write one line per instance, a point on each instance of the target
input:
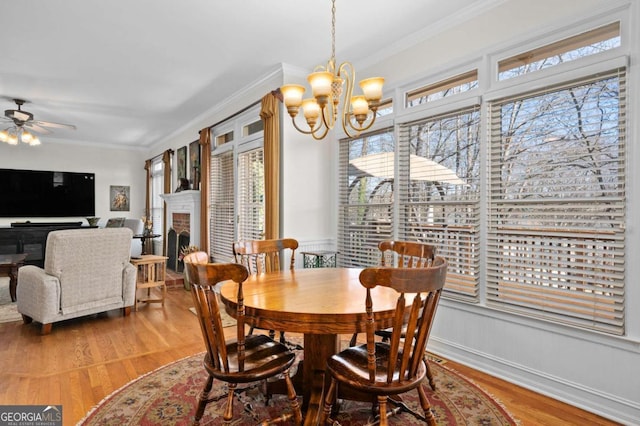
(13, 134)
(328, 83)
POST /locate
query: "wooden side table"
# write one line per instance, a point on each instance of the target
(152, 271)
(9, 264)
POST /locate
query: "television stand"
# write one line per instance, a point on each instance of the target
(46, 224)
(31, 239)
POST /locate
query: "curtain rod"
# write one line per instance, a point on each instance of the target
(275, 92)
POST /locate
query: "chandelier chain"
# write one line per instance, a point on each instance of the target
(333, 31)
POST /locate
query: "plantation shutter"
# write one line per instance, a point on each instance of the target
(222, 209)
(251, 195)
(439, 193)
(556, 238)
(366, 197)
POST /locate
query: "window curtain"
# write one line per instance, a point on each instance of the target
(205, 170)
(147, 203)
(270, 114)
(166, 159)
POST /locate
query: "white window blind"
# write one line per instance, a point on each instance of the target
(556, 238)
(366, 197)
(440, 194)
(251, 195)
(222, 207)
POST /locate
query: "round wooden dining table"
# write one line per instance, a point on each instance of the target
(320, 303)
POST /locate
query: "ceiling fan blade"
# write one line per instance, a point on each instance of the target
(36, 128)
(50, 124)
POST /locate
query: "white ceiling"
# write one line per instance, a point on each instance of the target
(131, 72)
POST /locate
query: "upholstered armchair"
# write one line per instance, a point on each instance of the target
(86, 271)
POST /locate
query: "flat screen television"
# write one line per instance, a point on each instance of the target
(40, 193)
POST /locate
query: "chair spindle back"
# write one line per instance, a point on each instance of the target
(412, 323)
(260, 256)
(203, 278)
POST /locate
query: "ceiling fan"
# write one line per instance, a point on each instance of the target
(23, 124)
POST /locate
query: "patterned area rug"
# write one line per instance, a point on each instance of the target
(168, 396)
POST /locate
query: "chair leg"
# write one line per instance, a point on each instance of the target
(432, 382)
(382, 407)
(353, 340)
(296, 411)
(204, 399)
(293, 399)
(426, 407)
(282, 339)
(325, 415)
(228, 411)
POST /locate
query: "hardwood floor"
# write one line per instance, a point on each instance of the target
(84, 360)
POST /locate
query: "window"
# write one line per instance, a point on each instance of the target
(440, 193)
(527, 203)
(366, 197)
(251, 195)
(588, 43)
(557, 203)
(385, 108)
(223, 216)
(225, 138)
(237, 185)
(157, 188)
(449, 87)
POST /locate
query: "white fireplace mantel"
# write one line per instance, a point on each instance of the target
(185, 202)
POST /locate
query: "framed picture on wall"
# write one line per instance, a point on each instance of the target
(182, 162)
(194, 164)
(119, 198)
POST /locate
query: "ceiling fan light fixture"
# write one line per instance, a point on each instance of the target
(26, 137)
(21, 121)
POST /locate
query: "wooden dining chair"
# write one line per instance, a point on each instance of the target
(408, 254)
(260, 256)
(404, 254)
(193, 257)
(245, 359)
(391, 368)
(196, 257)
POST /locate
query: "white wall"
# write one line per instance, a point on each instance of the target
(111, 167)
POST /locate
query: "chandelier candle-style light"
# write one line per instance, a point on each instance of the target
(321, 111)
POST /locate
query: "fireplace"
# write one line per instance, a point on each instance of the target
(176, 240)
(183, 225)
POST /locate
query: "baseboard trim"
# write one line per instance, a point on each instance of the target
(601, 403)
